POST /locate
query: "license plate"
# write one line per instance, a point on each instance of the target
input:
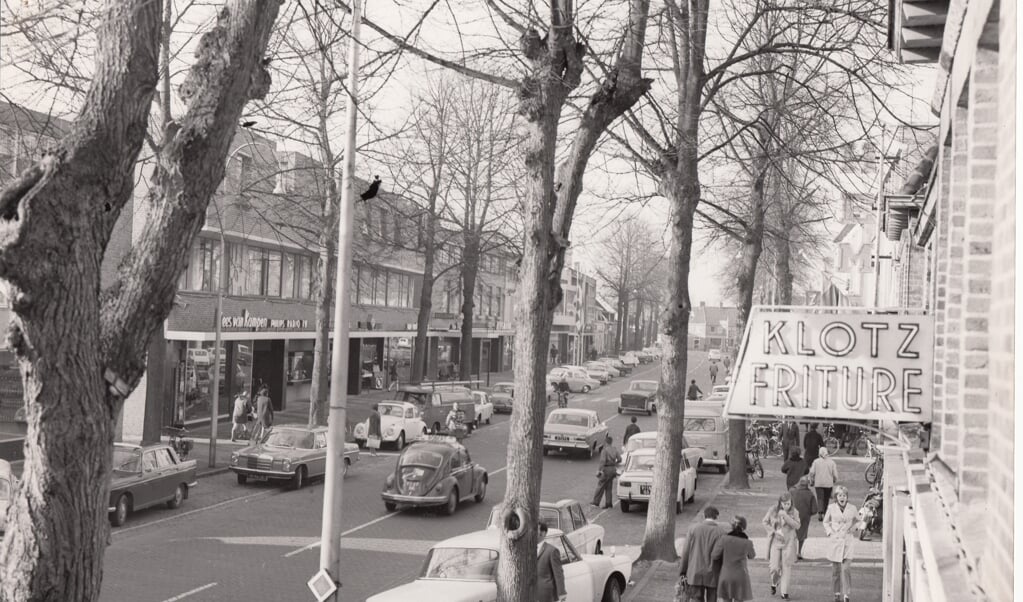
(644, 490)
(561, 437)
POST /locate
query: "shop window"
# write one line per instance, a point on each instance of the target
(300, 367)
(288, 276)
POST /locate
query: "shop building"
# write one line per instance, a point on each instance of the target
(949, 508)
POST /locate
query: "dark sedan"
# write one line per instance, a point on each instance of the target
(147, 475)
(435, 472)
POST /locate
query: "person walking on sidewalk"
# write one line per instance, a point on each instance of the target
(699, 573)
(733, 550)
(392, 375)
(609, 460)
(240, 415)
(373, 437)
(713, 373)
(694, 392)
(789, 439)
(823, 477)
(781, 522)
(264, 414)
(554, 355)
(841, 523)
(805, 502)
(812, 444)
(630, 430)
(794, 468)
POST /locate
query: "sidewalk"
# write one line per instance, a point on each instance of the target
(811, 578)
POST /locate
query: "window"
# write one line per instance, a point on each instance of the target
(490, 300)
(578, 518)
(500, 302)
(288, 276)
(399, 234)
(383, 226)
(411, 301)
(394, 289)
(245, 173)
(303, 285)
(163, 458)
(365, 286)
(238, 268)
(254, 272)
(203, 267)
(272, 287)
(380, 284)
(321, 440)
(149, 461)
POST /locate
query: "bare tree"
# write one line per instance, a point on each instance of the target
(81, 352)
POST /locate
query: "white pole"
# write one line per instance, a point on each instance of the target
(877, 218)
(218, 317)
(330, 533)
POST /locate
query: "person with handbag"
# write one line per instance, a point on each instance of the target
(782, 523)
(698, 572)
(373, 431)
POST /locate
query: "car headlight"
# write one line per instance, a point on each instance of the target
(360, 430)
(390, 431)
(286, 464)
(234, 457)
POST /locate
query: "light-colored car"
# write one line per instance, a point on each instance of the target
(7, 492)
(654, 351)
(577, 379)
(292, 452)
(400, 423)
(648, 440)
(637, 478)
(618, 364)
(502, 395)
(629, 359)
(614, 372)
(566, 516)
(483, 407)
(598, 371)
(641, 396)
(714, 355)
(569, 430)
(718, 394)
(464, 569)
(707, 430)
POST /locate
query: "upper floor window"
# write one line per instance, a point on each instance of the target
(203, 271)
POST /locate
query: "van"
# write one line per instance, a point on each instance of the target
(705, 428)
(435, 403)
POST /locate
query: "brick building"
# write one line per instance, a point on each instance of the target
(949, 512)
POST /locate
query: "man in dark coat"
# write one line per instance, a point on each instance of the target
(609, 460)
(698, 569)
(550, 577)
(805, 502)
(630, 430)
(794, 468)
(812, 444)
(789, 439)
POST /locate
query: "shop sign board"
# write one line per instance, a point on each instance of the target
(247, 320)
(835, 363)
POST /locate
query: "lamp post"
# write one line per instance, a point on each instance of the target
(218, 316)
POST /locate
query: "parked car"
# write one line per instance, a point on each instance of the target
(601, 376)
(644, 357)
(648, 440)
(566, 516)
(502, 395)
(484, 408)
(464, 569)
(641, 396)
(637, 478)
(7, 482)
(400, 423)
(598, 371)
(629, 359)
(568, 430)
(291, 452)
(147, 475)
(653, 351)
(622, 367)
(714, 355)
(707, 430)
(436, 471)
(614, 372)
(718, 394)
(578, 380)
(434, 402)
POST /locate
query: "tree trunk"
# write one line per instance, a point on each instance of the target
(82, 352)
(319, 389)
(624, 325)
(470, 270)
(618, 324)
(421, 353)
(783, 268)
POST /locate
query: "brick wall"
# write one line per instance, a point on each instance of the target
(997, 562)
(939, 276)
(912, 270)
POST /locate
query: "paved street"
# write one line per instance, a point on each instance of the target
(257, 542)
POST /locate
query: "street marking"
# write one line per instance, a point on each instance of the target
(121, 532)
(191, 592)
(376, 520)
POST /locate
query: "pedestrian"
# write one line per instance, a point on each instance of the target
(630, 430)
(812, 443)
(240, 415)
(609, 461)
(794, 468)
(728, 363)
(550, 576)
(373, 430)
(713, 373)
(733, 550)
(694, 392)
(392, 375)
(823, 477)
(782, 523)
(554, 354)
(924, 437)
(842, 525)
(789, 438)
(805, 502)
(698, 574)
(264, 414)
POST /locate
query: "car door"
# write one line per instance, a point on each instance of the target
(461, 470)
(578, 576)
(413, 425)
(147, 492)
(168, 479)
(317, 464)
(581, 536)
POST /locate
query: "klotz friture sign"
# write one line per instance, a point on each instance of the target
(834, 363)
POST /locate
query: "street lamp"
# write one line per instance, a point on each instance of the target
(218, 316)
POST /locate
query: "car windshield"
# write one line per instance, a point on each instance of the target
(644, 462)
(642, 386)
(699, 424)
(470, 564)
(421, 457)
(5, 489)
(503, 388)
(635, 443)
(126, 460)
(569, 419)
(391, 409)
(290, 439)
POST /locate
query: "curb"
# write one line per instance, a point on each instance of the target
(211, 472)
(641, 584)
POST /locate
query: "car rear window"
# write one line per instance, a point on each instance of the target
(421, 457)
(569, 419)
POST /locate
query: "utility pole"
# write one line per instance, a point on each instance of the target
(218, 318)
(330, 534)
(882, 151)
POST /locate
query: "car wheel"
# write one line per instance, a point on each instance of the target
(482, 492)
(179, 496)
(242, 479)
(344, 471)
(390, 506)
(299, 478)
(452, 503)
(399, 442)
(624, 505)
(436, 428)
(586, 388)
(121, 510)
(612, 591)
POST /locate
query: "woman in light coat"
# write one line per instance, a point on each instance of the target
(781, 522)
(842, 525)
(823, 477)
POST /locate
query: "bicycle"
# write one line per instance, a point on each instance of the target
(753, 464)
(860, 444)
(562, 399)
(874, 473)
(831, 442)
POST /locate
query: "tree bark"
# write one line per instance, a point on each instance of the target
(81, 352)
(319, 389)
(783, 267)
(470, 270)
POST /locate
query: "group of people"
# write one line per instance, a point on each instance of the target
(261, 412)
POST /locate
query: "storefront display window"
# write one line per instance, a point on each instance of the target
(300, 367)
